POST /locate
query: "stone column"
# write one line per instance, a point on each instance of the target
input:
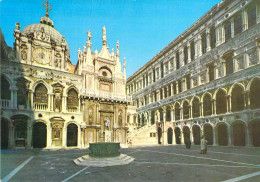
(49, 136)
(229, 136)
(191, 136)
(49, 102)
(164, 127)
(11, 137)
(214, 136)
(213, 104)
(244, 19)
(64, 103)
(208, 40)
(172, 115)
(201, 109)
(172, 89)
(228, 103)
(177, 87)
(29, 135)
(15, 98)
(190, 111)
(232, 27)
(64, 136)
(79, 138)
(181, 113)
(246, 99)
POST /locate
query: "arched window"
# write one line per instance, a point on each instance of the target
(40, 98)
(177, 111)
(207, 108)
(221, 104)
(254, 94)
(72, 100)
(227, 28)
(5, 89)
(185, 110)
(168, 114)
(251, 12)
(195, 108)
(237, 99)
(120, 120)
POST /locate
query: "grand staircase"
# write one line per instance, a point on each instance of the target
(145, 135)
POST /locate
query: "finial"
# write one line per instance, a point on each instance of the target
(124, 62)
(89, 35)
(104, 38)
(85, 49)
(17, 25)
(117, 48)
(48, 7)
(112, 52)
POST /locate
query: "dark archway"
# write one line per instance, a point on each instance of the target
(177, 132)
(196, 134)
(169, 135)
(208, 132)
(195, 108)
(207, 107)
(221, 103)
(186, 134)
(72, 135)
(152, 117)
(39, 135)
(255, 132)
(186, 110)
(222, 131)
(168, 114)
(177, 111)
(239, 135)
(254, 94)
(237, 99)
(159, 135)
(4, 133)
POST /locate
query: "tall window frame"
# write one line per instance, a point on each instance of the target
(227, 29)
(238, 25)
(251, 16)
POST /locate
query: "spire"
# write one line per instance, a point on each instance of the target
(104, 38)
(117, 48)
(124, 69)
(48, 7)
(89, 38)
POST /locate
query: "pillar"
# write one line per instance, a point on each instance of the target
(189, 52)
(172, 89)
(49, 136)
(172, 115)
(214, 136)
(228, 103)
(29, 135)
(244, 19)
(208, 40)
(213, 104)
(64, 136)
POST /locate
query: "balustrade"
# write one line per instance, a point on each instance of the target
(5, 103)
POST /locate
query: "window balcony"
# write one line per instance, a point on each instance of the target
(5, 103)
(40, 106)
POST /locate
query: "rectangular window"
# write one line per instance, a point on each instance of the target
(162, 70)
(153, 74)
(237, 24)
(251, 12)
(229, 65)
(227, 28)
(177, 60)
(211, 72)
(204, 43)
(212, 37)
(185, 55)
(188, 82)
(192, 50)
(180, 86)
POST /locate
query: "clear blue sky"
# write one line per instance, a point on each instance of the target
(143, 27)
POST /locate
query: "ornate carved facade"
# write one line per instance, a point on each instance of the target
(46, 101)
(206, 81)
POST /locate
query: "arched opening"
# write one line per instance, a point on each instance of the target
(185, 110)
(4, 133)
(152, 117)
(177, 132)
(40, 99)
(221, 104)
(72, 100)
(255, 132)
(186, 134)
(237, 99)
(177, 111)
(169, 135)
(196, 134)
(254, 94)
(159, 135)
(207, 108)
(195, 108)
(168, 114)
(5, 91)
(239, 135)
(161, 115)
(39, 135)
(208, 132)
(222, 132)
(72, 135)
(20, 125)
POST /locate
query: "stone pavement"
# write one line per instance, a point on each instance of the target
(153, 163)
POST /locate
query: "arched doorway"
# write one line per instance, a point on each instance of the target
(177, 111)
(72, 135)
(186, 134)
(222, 131)
(239, 137)
(255, 132)
(169, 135)
(159, 135)
(237, 99)
(207, 107)
(177, 132)
(208, 132)
(39, 135)
(195, 108)
(221, 103)
(186, 110)
(254, 94)
(4, 133)
(196, 134)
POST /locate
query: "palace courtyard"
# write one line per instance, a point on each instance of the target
(153, 163)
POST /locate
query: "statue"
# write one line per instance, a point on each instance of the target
(104, 38)
(107, 123)
(89, 35)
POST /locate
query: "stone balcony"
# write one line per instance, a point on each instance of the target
(105, 95)
(5, 103)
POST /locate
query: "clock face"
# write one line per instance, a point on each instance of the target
(41, 56)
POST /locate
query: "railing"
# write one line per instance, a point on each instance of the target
(40, 106)
(5, 103)
(72, 109)
(100, 94)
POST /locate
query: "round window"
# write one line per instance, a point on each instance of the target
(104, 73)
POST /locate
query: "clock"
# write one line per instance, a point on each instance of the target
(41, 56)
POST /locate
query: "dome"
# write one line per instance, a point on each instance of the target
(48, 26)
